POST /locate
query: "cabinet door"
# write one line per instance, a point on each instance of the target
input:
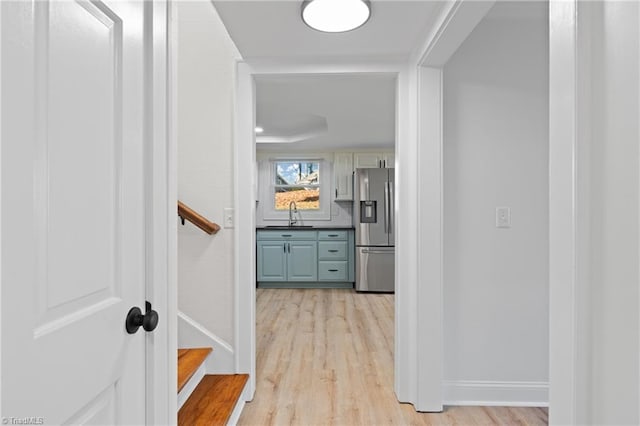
(302, 262)
(367, 160)
(272, 261)
(343, 173)
(389, 160)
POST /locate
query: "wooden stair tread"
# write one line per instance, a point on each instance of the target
(213, 401)
(189, 360)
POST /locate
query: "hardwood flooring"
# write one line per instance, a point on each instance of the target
(213, 401)
(325, 357)
(189, 360)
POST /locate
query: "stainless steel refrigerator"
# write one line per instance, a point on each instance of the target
(373, 216)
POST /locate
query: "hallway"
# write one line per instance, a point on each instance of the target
(325, 357)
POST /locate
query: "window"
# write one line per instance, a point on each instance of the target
(297, 181)
(304, 179)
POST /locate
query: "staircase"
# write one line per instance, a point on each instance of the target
(206, 399)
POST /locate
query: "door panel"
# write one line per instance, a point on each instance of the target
(272, 261)
(302, 262)
(101, 411)
(343, 172)
(73, 253)
(78, 121)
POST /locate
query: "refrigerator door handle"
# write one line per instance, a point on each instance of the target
(386, 207)
(391, 210)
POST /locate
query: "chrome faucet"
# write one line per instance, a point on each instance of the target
(292, 221)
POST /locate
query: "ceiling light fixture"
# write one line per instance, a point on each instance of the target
(259, 129)
(335, 16)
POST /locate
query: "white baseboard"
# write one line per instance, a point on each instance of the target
(191, 385)
(235, 414)
(191, 334)
(491, 393)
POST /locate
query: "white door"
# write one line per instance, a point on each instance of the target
(73, 249)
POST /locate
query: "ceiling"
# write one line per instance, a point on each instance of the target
(274, 29)
(326, 112)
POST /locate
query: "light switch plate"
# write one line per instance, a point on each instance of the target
(503, 217)
(228, 217)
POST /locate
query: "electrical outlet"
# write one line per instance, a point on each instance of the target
(503, 217)
(228, 217)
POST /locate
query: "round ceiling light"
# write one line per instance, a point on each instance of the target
(335, 16)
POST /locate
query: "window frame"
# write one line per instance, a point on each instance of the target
(268, 189)
(277, 186)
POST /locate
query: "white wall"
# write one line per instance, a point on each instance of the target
(496, 154)
(615, 216)
(206, 73)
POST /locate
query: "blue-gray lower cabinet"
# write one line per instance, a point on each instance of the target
(296, 258)
(302, 261)
(287, 261)
(272, 261)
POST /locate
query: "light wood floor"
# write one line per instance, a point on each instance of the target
(325, 357)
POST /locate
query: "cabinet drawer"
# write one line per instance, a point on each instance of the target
(332, 250)
(333, 271)
(332, 235)
(286, 235)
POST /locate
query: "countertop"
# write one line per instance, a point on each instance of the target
(301, 228)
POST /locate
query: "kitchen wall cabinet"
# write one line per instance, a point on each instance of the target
(296, 258)
(366, 160)
(389, 160)
(345, 163)
(343, 176)
(373, 160)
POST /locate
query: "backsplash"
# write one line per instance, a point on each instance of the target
(341, 213)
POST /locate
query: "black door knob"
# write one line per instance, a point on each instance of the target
(135, 319)
(150, 321)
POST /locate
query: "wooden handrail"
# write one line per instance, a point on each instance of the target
(187, 213)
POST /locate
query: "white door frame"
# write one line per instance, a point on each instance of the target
(456, 22)
(562, 213)
(1, 145)
(569, 217)
(569, 118)
(246, 192)
(161, 226)
(160, 205)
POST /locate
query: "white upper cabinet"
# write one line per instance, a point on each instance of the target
(373, 160)
(343, 173)
(346, 162)
(367, 160)
(389, 160)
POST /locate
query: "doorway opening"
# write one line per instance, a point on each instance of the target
(313, 133)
